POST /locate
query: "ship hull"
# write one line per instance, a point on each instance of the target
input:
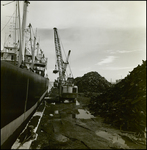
(21, 93)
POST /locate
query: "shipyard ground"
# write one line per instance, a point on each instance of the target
(62, 127)
(71, 126)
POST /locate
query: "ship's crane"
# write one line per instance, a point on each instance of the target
(61, 64)
(66, 88)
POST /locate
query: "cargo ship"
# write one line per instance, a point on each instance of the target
(24, 81)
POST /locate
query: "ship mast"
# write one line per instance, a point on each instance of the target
(15, 23)
(22, 39)
(33, 54)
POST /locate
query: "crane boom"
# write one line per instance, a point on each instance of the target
(58, 55)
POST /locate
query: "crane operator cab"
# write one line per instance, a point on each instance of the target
(69, 91)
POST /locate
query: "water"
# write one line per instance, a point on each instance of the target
(84, 114)
(112, 137)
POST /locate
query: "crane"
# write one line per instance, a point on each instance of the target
(66, 88)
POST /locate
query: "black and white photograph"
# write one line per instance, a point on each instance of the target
(73, 74)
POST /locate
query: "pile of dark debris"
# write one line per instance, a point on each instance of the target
(124, 104)
(91, 83)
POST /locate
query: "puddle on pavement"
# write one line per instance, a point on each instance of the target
(77, 103)
(53, 103)
(66, 101)
(112, 137)
(56, 112)
(84, 114)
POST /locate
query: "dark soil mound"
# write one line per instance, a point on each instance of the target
(91, 82)
(124, 104)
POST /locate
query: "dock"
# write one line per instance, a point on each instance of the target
(70, 126)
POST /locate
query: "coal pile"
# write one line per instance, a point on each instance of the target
(91, 82)
(124, 104)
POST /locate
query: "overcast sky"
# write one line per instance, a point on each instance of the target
(104, 36)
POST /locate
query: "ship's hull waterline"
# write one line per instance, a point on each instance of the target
(21, 93)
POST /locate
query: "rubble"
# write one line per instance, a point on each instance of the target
(124, 104)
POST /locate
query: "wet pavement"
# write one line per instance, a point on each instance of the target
(71, 126)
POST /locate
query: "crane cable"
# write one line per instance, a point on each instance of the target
(8, 3)
(70, 70)
(32, 35)
(68, 63)
(11, 16)
(62, 48)
(65, 56)
(9, 20)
